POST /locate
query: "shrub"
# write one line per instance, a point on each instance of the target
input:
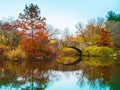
(98, 51)
(3, 49)
(17, 54)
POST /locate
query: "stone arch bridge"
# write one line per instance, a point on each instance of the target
(71, 44)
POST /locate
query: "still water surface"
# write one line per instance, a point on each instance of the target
(88, 74)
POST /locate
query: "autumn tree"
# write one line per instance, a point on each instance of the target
(89, 33)
(53, 33)
(32, 29)
(104, 38)
(113, 24)
(8, 34)
(80, 31)
(66, 33)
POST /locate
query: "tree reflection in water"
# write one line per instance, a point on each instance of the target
(90, 73)
(25, 75)
(100, 73)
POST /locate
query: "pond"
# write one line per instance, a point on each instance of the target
(88, 74)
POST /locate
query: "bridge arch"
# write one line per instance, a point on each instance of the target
(80, 51)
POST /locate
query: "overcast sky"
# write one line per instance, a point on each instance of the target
(62, 13)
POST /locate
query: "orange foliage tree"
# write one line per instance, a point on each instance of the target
(104, 39)
(32, 30)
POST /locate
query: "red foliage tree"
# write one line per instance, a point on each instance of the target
(32, 30)
(104, 39)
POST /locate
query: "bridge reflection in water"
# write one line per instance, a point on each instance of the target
(49, 75)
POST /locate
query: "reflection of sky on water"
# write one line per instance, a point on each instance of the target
(82, 76)
(59, 80)
(69, 81)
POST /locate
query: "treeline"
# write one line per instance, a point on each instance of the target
(26, 37)
(29, 36)
(100, 32)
